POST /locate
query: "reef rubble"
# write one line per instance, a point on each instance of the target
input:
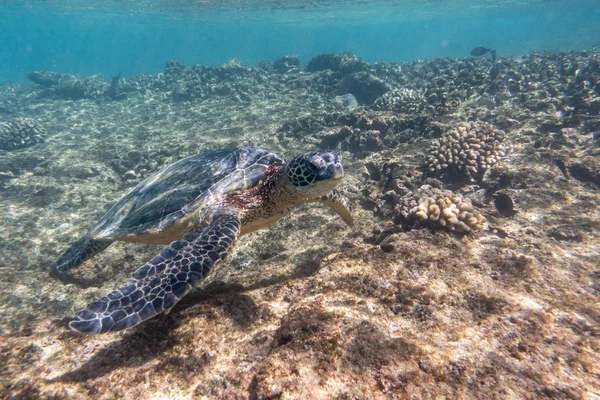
(400, 306)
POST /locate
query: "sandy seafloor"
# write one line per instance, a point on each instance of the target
(310, 308)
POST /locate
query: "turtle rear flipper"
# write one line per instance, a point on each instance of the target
(79, 252)
(162, 281)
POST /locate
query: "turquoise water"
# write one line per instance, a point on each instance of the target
(130, 37)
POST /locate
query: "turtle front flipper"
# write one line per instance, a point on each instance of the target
(162, 281)
(340, 204)
(79, 252)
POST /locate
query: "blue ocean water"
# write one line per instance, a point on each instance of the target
(88, 37)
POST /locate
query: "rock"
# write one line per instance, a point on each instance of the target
(362, 142)
(364, 86)
(46, 78)
(565, 234)
(587, 169)
(174, 68)
(286, 63)
(347, 101)
(130, 175)
(504, 204)
(6, 176)
(233, 68)
(486, 102)
(386, 247)
(344, 63)
(596, 138)
(69, 87)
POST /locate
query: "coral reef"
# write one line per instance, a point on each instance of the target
(333, 129)
(20, 133)
(364, 86)
(344, 63)
(360, 142)
(441, 208)
(232, 81)
(405, 101)
(46, 78)
(309, 308)
(114, 92)
(552, 82)
(69, 87)
(286, 63)
(470, 148)
(347, 102)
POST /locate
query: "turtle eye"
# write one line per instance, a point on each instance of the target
(317, 162)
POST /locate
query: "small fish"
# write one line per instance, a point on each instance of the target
(479, 51)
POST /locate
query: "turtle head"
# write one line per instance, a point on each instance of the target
(316, 172)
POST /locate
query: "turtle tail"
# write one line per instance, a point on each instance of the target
(79, 252)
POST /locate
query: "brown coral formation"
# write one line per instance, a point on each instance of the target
(20, 133)
(470, 148)
(441, 208)
(406, 101)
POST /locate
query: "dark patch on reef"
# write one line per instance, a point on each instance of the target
(343, 63)
(68, 87)
(504, 204)
(286, 63)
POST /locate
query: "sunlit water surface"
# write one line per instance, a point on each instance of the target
(91, 37)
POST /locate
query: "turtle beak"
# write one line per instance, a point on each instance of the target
(338, 170)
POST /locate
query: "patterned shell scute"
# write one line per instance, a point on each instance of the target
(183, 187)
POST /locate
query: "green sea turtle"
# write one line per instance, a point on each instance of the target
(199, 205)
